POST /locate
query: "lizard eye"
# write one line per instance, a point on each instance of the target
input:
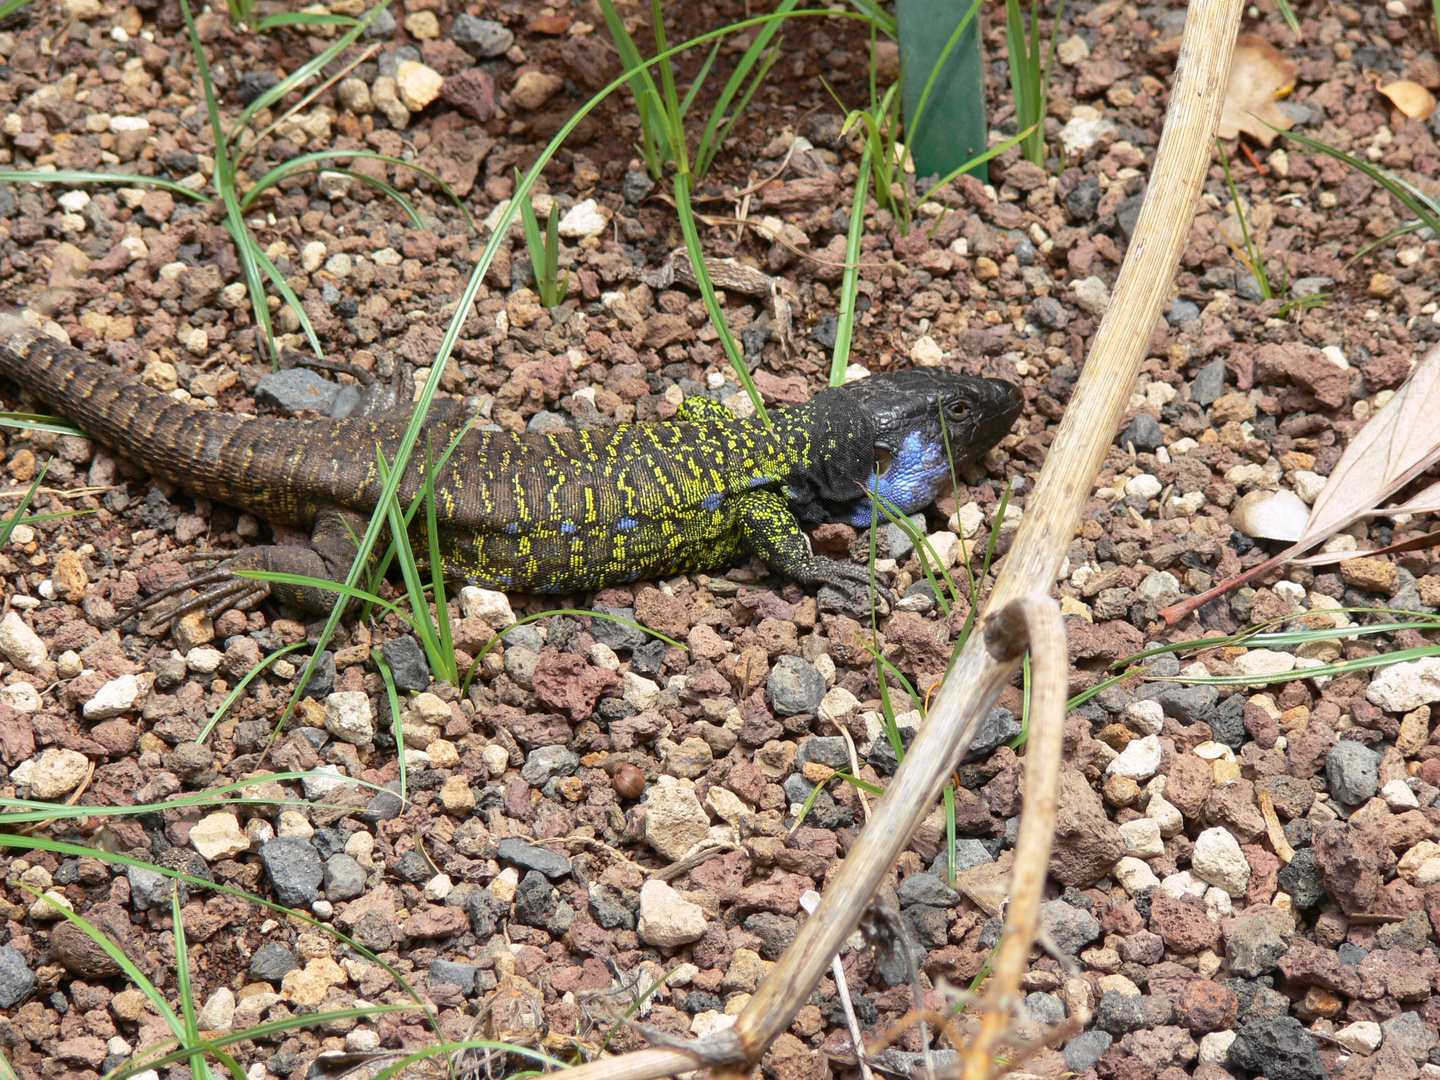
(883, 458)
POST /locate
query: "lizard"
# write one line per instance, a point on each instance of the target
(561, 512)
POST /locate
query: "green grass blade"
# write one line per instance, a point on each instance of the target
(397, 726)
(298, 164)
(239, 688)
(705, 155)
(7, 526)
(1346, 667)
(72, 176)
(23, 421)
(127, 966)
(446, 642)
(409, 569)
(303, 18)
(287, 294)
(1418, 203)
(850, 281)
(1288, 14)
(712, 136)
(654, 136)
(699, 80)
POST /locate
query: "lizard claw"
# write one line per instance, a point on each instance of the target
(219, 590)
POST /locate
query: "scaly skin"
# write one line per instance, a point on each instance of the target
(565, 512)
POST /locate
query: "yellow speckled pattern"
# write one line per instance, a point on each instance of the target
(562, 512)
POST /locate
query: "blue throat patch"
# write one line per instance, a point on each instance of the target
(914, 478)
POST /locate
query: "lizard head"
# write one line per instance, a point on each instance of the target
(920, 414)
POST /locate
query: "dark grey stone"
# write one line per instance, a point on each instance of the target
(797, 788)
(1085, 1049)
(484, 909)
(795, 686)
(322, 680)
(291, 391)
(384, 805)
(611, 908)
(774, 931)
(1048, 313)
(928, 926)
(1000, 726)
(1129, 213)
(482, 37)
(1070, 928)
(636, 185)
(414, 868)
(149, 889)
(1119, 1013)
(389, 61)
(294, 868)
(1227, 723)
(408, 666)
(1410, 1034)
(926, 889)
(1181, 311)
(1301, 879)
(1410, 934)
(16, 978)
(648, 659)
(1281, 1049)
(535, 900)
(1254, 948)
(614, 634)
(1045, 1008)
(1190, 704)
(1143, 432)
(344, 878)
(522, 853)
(545, 762)
(827, 750)
(1353, 772)
(272, 962)
(448, 971)
(1082, 203)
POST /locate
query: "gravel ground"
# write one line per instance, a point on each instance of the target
(1244, 883)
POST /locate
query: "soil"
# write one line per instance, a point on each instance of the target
(1246, 881)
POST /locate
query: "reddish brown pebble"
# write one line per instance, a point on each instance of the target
(629, 781)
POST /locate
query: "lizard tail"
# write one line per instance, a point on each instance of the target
(123, 414)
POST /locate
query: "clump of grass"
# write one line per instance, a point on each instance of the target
(545, 253)
(1030, 74)
(1254, 259)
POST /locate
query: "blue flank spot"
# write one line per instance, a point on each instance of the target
(567, 527)
(512, 527)
(503, 580)
(625, 525)
(759, 481)
(713, 502)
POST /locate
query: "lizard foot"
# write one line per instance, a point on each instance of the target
(219, 591)
(846, 588)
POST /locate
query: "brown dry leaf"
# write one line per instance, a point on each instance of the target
(1410, 98)
(1399, 443)
(1259, 73)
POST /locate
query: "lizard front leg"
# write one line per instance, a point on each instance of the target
(771, 530)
